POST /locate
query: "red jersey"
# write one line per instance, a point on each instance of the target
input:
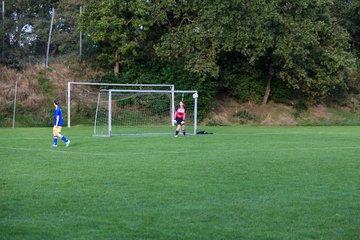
(180, 113)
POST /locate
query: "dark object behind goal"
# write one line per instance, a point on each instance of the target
(203, 132)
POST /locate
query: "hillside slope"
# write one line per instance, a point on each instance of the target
(36, 91)
(231, 112)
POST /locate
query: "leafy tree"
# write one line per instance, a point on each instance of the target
(347, 13)
(22, 29)
(116, 27)
(310, 50)
(200, 31)
(66, 34)
(298, 42)
(27, 27)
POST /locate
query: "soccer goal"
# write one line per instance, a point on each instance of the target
(143, 112)
(82, 98)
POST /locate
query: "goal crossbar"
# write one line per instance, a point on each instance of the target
(148, 91)
(69, 84)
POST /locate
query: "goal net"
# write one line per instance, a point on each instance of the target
(82, 98)
(142, 112)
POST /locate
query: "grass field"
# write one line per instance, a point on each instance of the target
(239, 183)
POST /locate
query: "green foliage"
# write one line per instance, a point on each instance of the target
(244, 116)
(84, 113)
(156, 71)
(11, 61)
(6, 116)
(299, 42)
(116, 26)
(201, 30)
(245, 87)
(27, 26)
(33, 119)
(281, 93)
(46, 86)
(357, 71)
(157, 104)
(338, 95)
(300, 106)
(311, 53)
(348, 14)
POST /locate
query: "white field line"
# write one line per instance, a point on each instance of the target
(291, 133)
(58, 151)
(53, 150)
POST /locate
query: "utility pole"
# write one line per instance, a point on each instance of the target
(3, 30)
(49, 40)
(14, 111)
(81, 57)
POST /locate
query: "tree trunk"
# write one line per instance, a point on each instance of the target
(267, 90)
(117, 64)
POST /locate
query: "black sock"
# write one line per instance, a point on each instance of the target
(184, 133)
(177, 132)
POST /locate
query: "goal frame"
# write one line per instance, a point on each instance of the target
(71, 83)
(172, 92)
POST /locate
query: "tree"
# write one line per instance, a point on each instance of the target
(199, 31)
(298, 41)
(24, 26)
(117, 27)
(66, 34)
(28, 22)
(310, 50)
(353, 24)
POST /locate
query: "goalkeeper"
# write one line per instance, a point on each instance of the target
(179, 119)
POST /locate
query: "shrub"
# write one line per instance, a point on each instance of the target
(245, 87)
(280, 92)
(300, 106)
(244, 116)
(46, 86)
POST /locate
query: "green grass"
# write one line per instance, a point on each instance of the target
(239, 183)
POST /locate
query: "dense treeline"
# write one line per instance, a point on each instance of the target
(253, 50)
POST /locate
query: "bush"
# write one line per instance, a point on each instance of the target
(46, 86)
(244, 116)
(245, 87)
(300, 106)
(11, 61)
(280, 92)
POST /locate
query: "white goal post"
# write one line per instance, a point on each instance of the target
(71, 85)
(142, 112)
